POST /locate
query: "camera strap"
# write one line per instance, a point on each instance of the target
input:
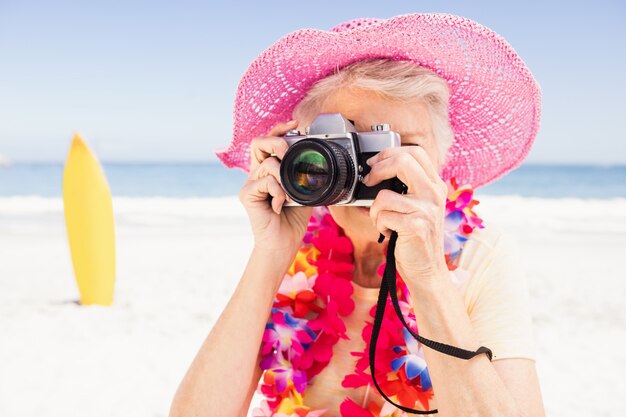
(388, 287)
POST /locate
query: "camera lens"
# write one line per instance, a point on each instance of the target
(310, 172)
(317, 172)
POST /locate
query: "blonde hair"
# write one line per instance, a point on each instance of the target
(395, 80)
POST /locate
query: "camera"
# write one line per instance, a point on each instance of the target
(326, 165)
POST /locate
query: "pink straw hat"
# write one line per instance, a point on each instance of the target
(495, 103)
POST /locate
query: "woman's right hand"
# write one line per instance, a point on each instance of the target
(275, 228)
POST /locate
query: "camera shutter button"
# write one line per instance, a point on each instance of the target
(381, 127)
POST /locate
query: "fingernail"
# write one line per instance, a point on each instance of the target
(369, 161)
(292, 121)
(366, 178)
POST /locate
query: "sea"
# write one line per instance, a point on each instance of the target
(211, 179)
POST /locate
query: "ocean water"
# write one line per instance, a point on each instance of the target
(211, 179)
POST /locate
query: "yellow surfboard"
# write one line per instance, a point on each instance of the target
(90, 225)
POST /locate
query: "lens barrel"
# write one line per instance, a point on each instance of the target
(317, 172)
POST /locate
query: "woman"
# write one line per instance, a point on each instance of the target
(467, 110)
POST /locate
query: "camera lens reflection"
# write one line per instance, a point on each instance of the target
(310, 171)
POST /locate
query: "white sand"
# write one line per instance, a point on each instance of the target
(60, 359)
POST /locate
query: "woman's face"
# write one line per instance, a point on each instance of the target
(410, 119)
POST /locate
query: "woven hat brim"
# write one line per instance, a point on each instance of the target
(495, 102)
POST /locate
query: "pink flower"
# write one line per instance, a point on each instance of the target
(460, 220)
(409, 316)
(284, 376)
(285, 332)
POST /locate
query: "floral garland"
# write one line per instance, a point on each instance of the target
(306, 321)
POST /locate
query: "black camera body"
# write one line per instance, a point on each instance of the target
(326, 165)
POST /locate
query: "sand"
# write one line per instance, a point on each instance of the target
(58, 358)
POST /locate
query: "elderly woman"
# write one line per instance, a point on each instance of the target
(299, 326)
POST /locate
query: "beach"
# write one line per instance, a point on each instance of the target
(179, 260)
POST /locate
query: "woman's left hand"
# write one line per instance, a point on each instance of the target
(417, 216)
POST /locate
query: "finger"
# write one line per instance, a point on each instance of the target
(387, 220)
(262, 148)
(280, 129)
(409, 206)
(269, 166)
(392, 201)
(260, 189)
(272, 143)
(381, 228)
(416, 151)
(407, 169)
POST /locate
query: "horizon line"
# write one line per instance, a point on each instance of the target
(217, 162)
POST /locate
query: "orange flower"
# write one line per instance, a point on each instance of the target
(302, 263)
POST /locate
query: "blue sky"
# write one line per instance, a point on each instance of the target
(155, 80)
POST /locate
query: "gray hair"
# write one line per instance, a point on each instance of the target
(395, 80)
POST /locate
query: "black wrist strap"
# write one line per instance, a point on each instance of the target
(388, 287)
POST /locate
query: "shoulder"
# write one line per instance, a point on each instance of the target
(497, 296)
(492, 258)
(485, 245)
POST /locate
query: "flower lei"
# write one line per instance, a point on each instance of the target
(306, 321)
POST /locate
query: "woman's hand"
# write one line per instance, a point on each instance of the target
(275, 228)
(418, 216)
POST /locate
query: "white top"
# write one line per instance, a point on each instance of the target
(497, 302)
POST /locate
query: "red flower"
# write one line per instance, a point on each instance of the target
(349, 408)
(407, 392)
(329, 322)
(332, 244)
(337, 290)
(390, 335)
(301, 304)
(317, 355)
(339, 268)
(357, 379)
